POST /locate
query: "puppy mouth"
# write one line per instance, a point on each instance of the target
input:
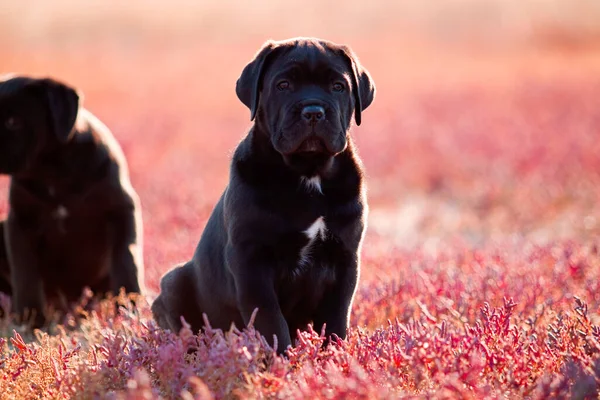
(312, 145)
(311, 157)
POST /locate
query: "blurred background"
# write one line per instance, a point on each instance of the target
(485, 126)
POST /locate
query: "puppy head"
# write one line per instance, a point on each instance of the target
(34, 113)
(303, 92)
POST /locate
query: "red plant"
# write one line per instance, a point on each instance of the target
(481, 265)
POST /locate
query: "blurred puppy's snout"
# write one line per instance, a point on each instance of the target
(313, 113)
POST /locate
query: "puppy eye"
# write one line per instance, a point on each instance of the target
(13, 123)
(338, 87)
(283, 85)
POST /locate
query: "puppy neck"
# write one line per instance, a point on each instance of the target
(256, 163)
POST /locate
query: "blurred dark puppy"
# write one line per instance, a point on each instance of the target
(74, 220)
(286, 234)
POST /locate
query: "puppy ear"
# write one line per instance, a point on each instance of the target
(248, 84)
(363, 85)
(63, 106)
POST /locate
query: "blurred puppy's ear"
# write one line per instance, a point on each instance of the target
(363, 85)
(62, 102)
(248, 84)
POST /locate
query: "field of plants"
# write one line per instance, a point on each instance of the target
(481, 265)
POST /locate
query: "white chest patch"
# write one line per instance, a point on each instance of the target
(312, 184)
(317, 231)
(60, 212)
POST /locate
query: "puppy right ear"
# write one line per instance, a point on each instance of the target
(62, 102)
(248, 84)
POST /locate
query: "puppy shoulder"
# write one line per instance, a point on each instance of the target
(102, 135)
(108, 144)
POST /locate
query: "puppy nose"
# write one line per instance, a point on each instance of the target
(313, 113)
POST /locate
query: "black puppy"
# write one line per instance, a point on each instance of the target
(74, 220)
(285, 236)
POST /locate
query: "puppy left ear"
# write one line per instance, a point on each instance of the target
(63, 106)
(248, 84)
(363, 85)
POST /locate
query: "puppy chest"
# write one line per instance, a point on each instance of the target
(81, 240)
(316, 232)
(312, 260)
(310, 273)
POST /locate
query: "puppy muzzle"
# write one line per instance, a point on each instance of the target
(315, 128)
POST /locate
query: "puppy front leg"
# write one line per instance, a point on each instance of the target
(4, 266)
(257, 293)
(334, 309)
(127, 265)
(252, 270)
(254, 288)
(28, 298)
